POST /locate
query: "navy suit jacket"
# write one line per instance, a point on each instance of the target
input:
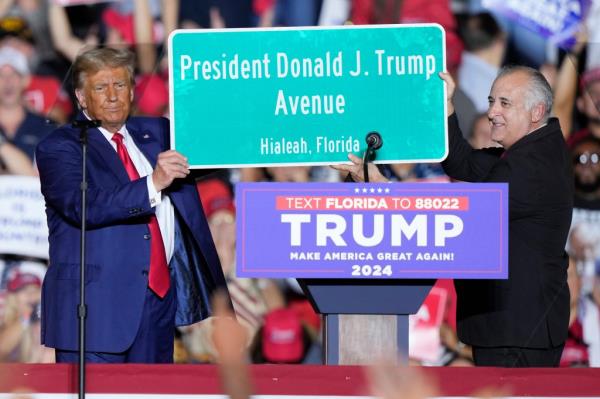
(117, 240)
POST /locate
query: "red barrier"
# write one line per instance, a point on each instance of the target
(292, 380)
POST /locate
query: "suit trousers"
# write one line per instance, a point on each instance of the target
(510, 356)
(153, 342)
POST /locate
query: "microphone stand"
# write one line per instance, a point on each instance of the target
(83, 126)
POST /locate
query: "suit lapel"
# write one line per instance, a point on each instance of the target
(146, 142)
(102, 147)
(105, 151)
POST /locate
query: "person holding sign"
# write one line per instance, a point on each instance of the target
(522, 321)
(151, 262)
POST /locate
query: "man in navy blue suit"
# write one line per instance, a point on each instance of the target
(150, 260)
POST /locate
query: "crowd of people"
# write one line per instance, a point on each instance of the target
(40, 40)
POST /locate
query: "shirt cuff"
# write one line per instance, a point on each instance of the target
(154, 196)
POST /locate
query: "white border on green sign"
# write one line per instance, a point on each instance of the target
(309, 163)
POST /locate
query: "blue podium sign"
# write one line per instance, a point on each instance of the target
(398, 230)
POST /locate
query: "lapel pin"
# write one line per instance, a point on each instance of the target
(146, 136)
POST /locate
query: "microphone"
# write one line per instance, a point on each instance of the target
(86, 124)
(374, 140)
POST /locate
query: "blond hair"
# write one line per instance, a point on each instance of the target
(92, 61)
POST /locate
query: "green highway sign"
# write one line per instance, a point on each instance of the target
(277, 97)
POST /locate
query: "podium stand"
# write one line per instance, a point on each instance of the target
(364, 320)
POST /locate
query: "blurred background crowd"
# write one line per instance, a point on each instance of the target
(39, 39)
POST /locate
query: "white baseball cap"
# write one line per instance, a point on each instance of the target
(15, 59)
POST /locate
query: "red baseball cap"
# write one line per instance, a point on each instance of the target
(282, 340)
(18, 280)
(215, 196)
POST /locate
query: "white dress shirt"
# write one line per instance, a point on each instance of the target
(165, 213)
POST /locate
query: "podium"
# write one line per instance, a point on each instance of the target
(365, 320)
(367, 255)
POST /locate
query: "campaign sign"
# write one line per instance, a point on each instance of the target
(23, 226)
(396, 230)
(307, 96)
(558, 20)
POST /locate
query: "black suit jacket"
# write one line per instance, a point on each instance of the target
(531, 308)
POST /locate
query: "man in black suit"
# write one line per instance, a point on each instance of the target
(522, 321)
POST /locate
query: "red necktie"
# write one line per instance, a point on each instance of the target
(158, 277)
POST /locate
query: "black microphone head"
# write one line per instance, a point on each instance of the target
(374, 140)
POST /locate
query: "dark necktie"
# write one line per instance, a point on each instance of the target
(158, 277)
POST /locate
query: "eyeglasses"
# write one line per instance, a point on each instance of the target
(586, 158)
